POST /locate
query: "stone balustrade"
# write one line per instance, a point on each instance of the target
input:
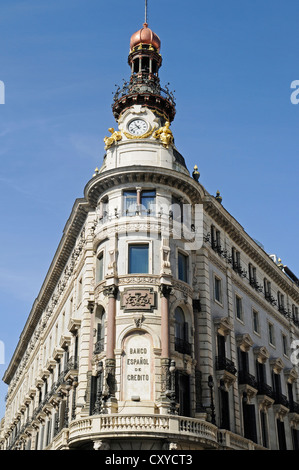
(109, 425)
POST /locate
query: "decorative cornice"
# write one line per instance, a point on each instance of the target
(66, 246)
(137, 174)
(261, 353)
(244, 341)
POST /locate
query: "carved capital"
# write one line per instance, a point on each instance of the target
(91, 306)
(165, 290)
(111, 291)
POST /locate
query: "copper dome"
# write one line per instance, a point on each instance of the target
(145, 36)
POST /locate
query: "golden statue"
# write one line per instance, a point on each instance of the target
(115, 136)
(164, 134)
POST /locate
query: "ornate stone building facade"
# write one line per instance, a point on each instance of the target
(159, 318)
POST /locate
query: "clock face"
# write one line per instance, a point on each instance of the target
(137, 127)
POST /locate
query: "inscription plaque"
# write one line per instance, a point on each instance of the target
(137, 370)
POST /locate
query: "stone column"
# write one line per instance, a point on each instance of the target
(111, 292)
(165, 291)
(109, 385)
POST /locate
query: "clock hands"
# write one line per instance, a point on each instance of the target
(137, 127)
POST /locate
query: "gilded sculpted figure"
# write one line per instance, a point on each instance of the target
(164, 134)
(115, 136)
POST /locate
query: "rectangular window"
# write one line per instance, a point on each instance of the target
(139, 202)
(239, 308)
(253, 277)
(256, 322)
(177, 210)
(148, 202)
(271, 334)
(130, 202)
(295, 314)
(215, 239)
(281, 435)
(217, 289)
(280, 300)
(182, 267)
(267, 289)
(236, 259)
(264, 428)
(138, 259)
(284, 344)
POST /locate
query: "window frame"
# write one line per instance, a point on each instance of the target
(186, 257)
(124, 204)
(271, 334)
(284, 343)
(239, 299)
(255, 312)
(218, 279)
(131, 243)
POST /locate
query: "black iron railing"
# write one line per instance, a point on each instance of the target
(182, 346)
(222, 363)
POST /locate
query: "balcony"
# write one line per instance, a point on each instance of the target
(294, 407)
(216, 247)
(145, 426)
(222, 363)
(283, 310)
(198, 431)
(244, 378)
(71, 368)
(238, 269)
(270, 298)
(182, 346)
(253, 282)
(265, 389)
(280, 399)
(99, 346)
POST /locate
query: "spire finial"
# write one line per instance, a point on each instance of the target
(145, 16)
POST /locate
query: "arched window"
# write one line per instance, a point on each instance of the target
(182, 344)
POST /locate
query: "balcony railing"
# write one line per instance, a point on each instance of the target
(182, 346)
(270, 298)
(99, 346)
(265, 389)
(216, 247)
(280, 399)
(222, 363)
(294, 407)
(72, 364)
(244, 378)
(283, 310)
(253, 282)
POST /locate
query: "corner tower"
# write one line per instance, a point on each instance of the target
(143, 111)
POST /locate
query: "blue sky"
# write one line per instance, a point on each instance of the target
(231, 65)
